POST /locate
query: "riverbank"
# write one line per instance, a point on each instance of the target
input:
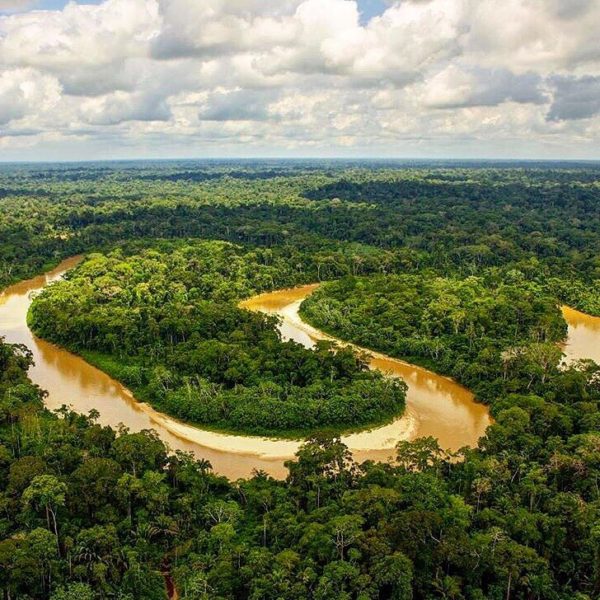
(167, 326)
(435, 405)
(495, 337)
(117, 369)
(71, 380)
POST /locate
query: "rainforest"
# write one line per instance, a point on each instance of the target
(164, 280)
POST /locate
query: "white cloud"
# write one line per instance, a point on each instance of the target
(118, 107)
(217, 27)
(25, 91)
(303, 74)
(238, 105)
(88, 48)
(544, 35)
(456, 87)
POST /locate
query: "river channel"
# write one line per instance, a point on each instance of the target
(436, 405)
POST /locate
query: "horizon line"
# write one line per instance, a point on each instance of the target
(301, 158)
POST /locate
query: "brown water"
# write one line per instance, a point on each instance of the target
(435, 405)
(583, 340)
(70, 380)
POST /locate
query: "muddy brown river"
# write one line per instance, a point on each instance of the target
(436, 405)
(583, 340)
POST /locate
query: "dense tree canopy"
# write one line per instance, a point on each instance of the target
(495, 334)
(90, 513)
(460, 267)
(453, 217)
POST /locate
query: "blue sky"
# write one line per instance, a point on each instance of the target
(368, 8)
(54, 4)
(186, 78)
(371, 8)
(7, 6)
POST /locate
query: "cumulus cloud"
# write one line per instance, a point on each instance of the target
(217, 27)
(88, 48)
(23, 91)
(575, 98)
(571, 9)
(303, 75)
(120, 106)
(239, 105)
(455, 87)
(543, 35)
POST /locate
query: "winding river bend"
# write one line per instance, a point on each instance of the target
(436, 405)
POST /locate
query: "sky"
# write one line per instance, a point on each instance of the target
(118, 79)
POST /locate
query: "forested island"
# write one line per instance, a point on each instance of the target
(167, 325)
(460, 267)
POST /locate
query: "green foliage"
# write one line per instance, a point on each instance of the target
(167, 325)
(542, 218)
(496, 334)
(89, 512)
(74, 591)
(517, 517)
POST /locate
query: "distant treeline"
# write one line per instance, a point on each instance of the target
(544, 222)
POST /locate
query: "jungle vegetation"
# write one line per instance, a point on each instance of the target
(167, 325)
(93, 513)
(455, 218)
(496, 335)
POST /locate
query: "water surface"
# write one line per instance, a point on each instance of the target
(435, 405)
(72, 381)
(583, 339)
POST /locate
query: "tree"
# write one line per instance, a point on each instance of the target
(422, 454)
(74, 591)
(324, 467)
(47, 492)
(345, 530)
(394, 574)
(41, 548)
(139, 451)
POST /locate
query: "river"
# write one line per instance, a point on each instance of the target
(436, 405)
(583, 340)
